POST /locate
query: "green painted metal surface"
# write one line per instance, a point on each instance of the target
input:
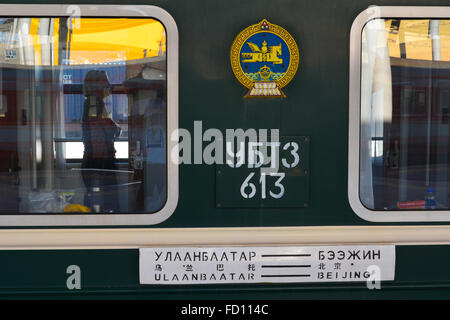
(316, 106)
(422, 271)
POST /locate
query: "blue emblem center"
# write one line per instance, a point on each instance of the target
(264, 57)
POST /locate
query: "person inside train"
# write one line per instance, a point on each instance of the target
(98, 134)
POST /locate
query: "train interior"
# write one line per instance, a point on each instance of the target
(405, 114)
(43, 63)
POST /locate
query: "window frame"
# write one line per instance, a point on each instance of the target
(375, 12)
(111, 11)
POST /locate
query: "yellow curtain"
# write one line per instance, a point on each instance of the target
(103, 40)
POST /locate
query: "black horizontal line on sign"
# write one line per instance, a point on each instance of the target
(285, 255)
(287, 266)
(285, 275)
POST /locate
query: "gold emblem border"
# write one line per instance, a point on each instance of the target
(247, 33)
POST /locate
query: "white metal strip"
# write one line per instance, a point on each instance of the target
(274, 236)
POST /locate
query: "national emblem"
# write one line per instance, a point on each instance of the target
(264, 71)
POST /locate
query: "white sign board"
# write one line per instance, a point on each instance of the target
(207, 265)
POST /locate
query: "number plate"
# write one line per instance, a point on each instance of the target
(256, 188)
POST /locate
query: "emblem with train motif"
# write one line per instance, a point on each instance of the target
(264, 58)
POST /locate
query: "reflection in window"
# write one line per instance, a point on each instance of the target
(82, 115)
(405, 100)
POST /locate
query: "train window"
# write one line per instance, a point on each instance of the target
(87, 99)
(399, 116)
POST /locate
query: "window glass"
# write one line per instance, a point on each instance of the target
(405, 101)
(82, 115)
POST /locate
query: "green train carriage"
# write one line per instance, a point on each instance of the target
(267, 150)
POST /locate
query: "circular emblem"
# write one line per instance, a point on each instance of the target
(264, 59)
